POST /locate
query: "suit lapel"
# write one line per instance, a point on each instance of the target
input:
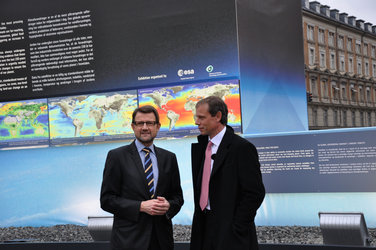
(139, 166)
(223, 150)
(198, 150)
(161, 165)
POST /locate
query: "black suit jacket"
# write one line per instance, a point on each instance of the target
(235, 191)
(124, 187)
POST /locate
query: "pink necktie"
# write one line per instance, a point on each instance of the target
(206, 177)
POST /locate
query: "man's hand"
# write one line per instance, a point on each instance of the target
(157, 206)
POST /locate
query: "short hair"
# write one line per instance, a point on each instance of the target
(146, 109)
(216, 104)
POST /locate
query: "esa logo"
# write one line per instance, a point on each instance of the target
(209, 69)
(186, 72)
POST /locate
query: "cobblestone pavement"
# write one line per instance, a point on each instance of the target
(74, 233)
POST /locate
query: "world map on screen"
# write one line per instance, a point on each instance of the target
(92, 115)
(23, 120)
(176, 104)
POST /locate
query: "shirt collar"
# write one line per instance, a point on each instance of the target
(216, 140)
(140, 146)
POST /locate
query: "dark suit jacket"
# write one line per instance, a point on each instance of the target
(124, 187)
(235, 191)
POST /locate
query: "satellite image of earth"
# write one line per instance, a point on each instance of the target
(23, 120)
(92, 115)
(176, 104)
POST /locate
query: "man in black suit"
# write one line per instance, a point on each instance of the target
(227, 183)
(141, 187)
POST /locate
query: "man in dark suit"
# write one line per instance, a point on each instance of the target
(141, 187)
(227, 183)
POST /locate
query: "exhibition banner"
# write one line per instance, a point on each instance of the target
(72, 72)
(51, 49)
(319, 161)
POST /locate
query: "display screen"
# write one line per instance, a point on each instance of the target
(24, 123)
(176, 105)
(91, 118)
(101, 117)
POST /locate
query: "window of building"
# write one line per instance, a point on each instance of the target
(374, 70)
(342, 63)
(353, 93)
(314, 117)
(321, 36)
(313, 87)
(361, 118)
(311, 56)
(353, 119)
(359, 66)
(368, 94)
(324, 87)
(340, 42)
(366, 69)
(358, 47)
(310, 32)
(373, 51)
(335, 91)
(343, 92)
(335, 117)
(351, 65)
(331, 39)
(325, 117)
(369, 116)
(344, 116)
(349, 44)
(322, 59)
(361, 96)
(365, 49)
(332, 60)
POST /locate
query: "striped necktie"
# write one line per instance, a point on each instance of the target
(149, 171)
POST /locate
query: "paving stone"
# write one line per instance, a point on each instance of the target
(74, 233)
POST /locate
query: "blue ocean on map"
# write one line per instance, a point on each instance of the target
(4, 132)
(27, 132)
(43, 119)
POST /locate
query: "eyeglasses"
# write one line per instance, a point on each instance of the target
(148, 124)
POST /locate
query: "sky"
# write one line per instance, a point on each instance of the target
(361, 9)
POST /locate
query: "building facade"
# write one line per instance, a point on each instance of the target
(340, 68)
